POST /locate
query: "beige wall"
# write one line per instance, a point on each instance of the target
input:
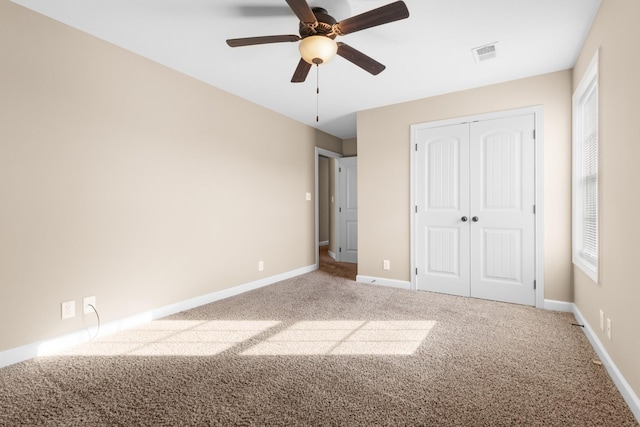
(616, 33)
(122, 179)
(384, 179)
(350, 147)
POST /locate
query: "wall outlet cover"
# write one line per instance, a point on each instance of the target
(68, 309)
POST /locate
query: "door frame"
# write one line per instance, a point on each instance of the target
(331, 154)
(538, 112)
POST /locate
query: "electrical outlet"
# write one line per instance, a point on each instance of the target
(602, 320)
(386, 265)
(86, 303)
(308, 197)
(608, 328)
(260, 265)
(68, 309)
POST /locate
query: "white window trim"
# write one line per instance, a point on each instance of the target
(587, 264)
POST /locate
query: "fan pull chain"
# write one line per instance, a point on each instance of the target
(317, 93)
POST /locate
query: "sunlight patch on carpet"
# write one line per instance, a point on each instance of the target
(329, 337)
(210, 338)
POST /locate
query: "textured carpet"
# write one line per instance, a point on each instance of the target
(322, 350)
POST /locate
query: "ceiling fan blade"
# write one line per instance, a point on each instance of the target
(382, 15)
(360, 59)
(301, 72)
(303, 11)
(249, 41)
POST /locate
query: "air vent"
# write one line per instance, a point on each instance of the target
(485, 52)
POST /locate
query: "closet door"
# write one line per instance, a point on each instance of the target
(475, 221)
(502, 198)
(442, 211)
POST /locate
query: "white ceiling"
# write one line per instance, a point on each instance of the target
(427, 54)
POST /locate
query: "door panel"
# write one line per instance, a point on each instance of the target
(503, 252)
(443, 247)
(501, 170)
(348, 215)
(443, 238)
(502, 191)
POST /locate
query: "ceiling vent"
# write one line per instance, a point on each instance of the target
(485, 52)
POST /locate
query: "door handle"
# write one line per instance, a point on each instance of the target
(464, 219)
(475, 219)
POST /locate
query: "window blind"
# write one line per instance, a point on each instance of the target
(590, 175)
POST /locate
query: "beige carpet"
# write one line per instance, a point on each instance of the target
(322, 350)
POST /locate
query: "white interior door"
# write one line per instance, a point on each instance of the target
(348, 210)
(502, 191)
(475, 219)
(442, 210)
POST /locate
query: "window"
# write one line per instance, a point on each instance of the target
(585, 172)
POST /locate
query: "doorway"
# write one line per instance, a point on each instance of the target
(474, 226)
(335, 206)
(326, 212)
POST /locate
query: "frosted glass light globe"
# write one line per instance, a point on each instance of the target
(318, 49)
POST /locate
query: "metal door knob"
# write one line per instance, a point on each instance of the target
(464, 219)
(475, 219)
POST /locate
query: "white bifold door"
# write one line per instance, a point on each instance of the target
(475, 213)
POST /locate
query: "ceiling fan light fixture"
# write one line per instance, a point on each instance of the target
(318, 49)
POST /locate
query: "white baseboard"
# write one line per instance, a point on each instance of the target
(384, 282)
(554, 305)
(325, 243)
(46, 347)
(332, 255)
(623, 386)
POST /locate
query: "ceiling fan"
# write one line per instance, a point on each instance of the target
(318, 30)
